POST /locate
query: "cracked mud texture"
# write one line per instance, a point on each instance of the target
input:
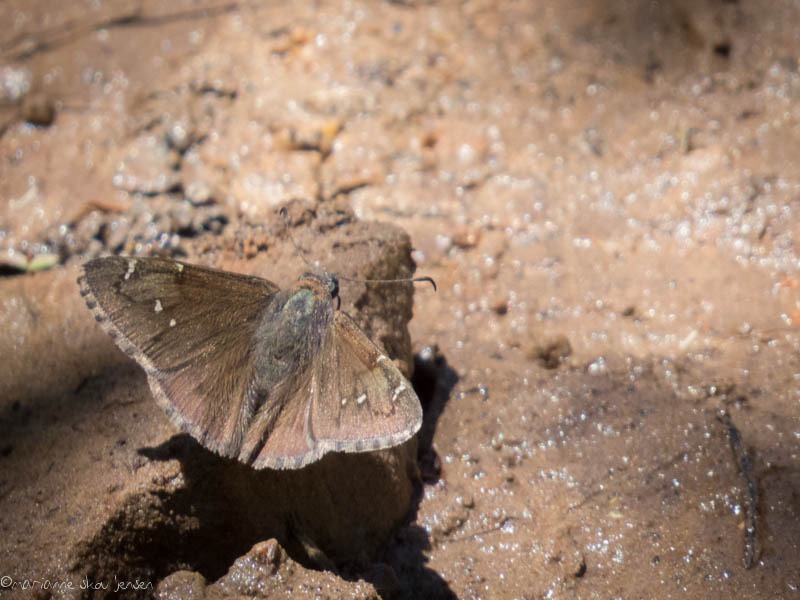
(606, 194)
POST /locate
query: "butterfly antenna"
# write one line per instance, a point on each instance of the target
(408, 280)
(285, 214)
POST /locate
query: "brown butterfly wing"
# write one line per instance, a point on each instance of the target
(190, 328)
(277, 436)
(363, 402)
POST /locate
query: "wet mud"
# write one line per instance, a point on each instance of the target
(605, 194)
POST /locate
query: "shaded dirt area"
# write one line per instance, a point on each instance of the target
(605, 194)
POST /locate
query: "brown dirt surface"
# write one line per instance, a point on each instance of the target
(605, 194)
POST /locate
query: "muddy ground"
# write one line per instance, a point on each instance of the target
(606, 195)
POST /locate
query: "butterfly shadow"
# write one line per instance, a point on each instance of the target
(434, 381)
(317, 513)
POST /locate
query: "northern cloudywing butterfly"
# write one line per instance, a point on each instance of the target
(275, 378)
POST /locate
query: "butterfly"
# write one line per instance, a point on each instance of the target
(272, 377)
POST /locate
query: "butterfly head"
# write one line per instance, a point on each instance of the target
(320, 283)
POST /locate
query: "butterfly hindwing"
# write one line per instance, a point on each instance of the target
(362, 401)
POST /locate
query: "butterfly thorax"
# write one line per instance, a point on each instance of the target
(293, 326)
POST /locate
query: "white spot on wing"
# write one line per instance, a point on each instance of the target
(159, 308)
(131, 268)
(398, 390)
(180, 267)
(360, 399)
(344, 401)
(172, 322)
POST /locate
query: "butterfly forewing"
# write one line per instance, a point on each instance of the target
(190, 328)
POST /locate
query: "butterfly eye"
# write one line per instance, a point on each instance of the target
(333, 286)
